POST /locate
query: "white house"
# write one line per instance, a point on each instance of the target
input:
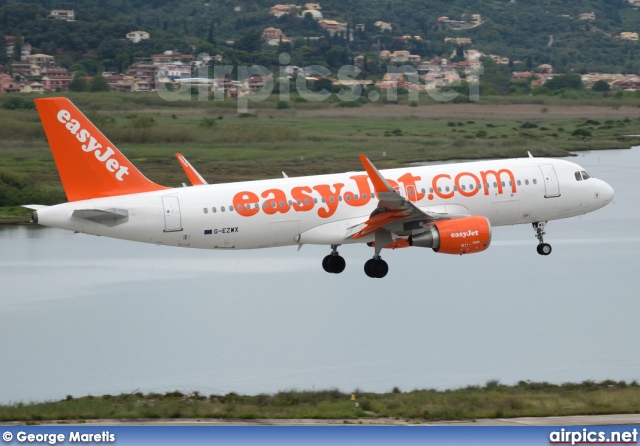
(137, 36)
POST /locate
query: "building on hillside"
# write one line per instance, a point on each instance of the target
(10, 42)
(587, 16)
(41, 60)
(475, 18)
(280, 10)
(459, 40)
(272, 33)
(56, 82)
(629, 36)
(545, 69)
(330, 25)
(313, 6)
(315, 14)
(384, 26)
(32, 87)
(137, 36)
(62, 14)
(634, 2)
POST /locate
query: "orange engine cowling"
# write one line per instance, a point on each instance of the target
(466, 235)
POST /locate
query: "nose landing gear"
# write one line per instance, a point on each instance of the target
(544, 249)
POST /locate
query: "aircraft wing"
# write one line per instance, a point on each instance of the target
(392, 207)
(193, 175)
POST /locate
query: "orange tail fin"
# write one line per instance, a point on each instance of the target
(90, 166)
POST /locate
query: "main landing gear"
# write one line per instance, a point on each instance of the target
(334, 263)
(544, 249)
(376, 268)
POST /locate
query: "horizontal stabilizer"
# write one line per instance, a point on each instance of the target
(35, 207)
(107, 217)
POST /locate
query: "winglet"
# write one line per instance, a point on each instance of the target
(379, 183)
(193, 175)
(90, 166)
(530, 155)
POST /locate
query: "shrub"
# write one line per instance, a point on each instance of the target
(282, 105)
(529, 125)
(208, 122)
(582, 132)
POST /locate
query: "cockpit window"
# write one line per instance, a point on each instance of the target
(578, 176)
(585, 175)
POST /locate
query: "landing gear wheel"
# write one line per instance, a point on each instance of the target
(325, 263)
(367, 268)
(336, 264)
(376, 268)
(544, 249)
(333, 264)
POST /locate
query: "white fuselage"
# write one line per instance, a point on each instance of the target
(321, 209)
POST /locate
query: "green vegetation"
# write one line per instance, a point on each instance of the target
(305, 139)
(95, 41)
(494, 400)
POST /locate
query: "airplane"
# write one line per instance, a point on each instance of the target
(450, 208)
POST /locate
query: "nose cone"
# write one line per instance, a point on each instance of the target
(604, 192)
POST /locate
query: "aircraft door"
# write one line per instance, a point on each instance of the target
(551, 185)
(172, 218)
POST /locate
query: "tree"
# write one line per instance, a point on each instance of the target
(251, 41)
(98, 83)
(601, 86)
(572, 81)
(78, 83)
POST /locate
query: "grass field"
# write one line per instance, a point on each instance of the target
(305, 139)
(526, 399)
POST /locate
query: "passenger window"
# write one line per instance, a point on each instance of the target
(511, 183)
(339, 197)
(479, 186)
(331, 199)
(240, 207)
(290, 203)
(230, 208)
(535, 181)
(206, 211)
(364, 196)
(463, 187)
(455, 188)
(431, 190)
(213, 209)
(447, 188)
(519, 183)
(439, 189)
(421, 190)
(221, 208)
(503, 185)
(495, 184)
(348, 198)
(282, 204)
(299, 202)
(486, 186)
(274, 205)
(306, 201)
(315, 200)
(526, 182)
(324, 200)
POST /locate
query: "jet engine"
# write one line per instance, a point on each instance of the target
(465, 235)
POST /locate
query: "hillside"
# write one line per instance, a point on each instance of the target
(533, 31)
